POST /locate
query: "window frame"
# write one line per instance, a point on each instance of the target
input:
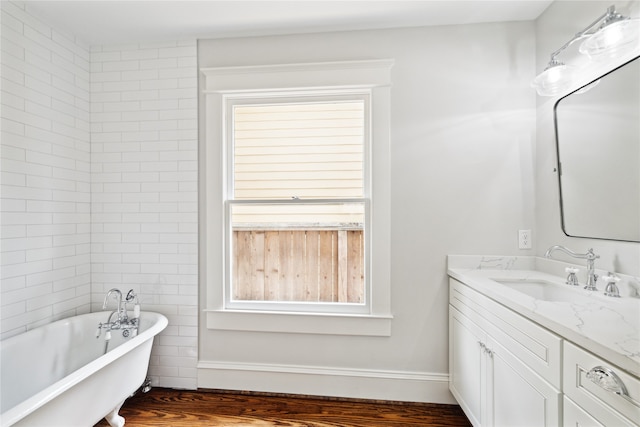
(298, 97)
(368, 78)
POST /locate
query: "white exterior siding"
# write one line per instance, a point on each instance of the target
(313, 150)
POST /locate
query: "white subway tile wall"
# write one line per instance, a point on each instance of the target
(144, 188)
(45, 173)
(99, 183)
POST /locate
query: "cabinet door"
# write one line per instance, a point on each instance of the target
(466, 365)
(518, 396)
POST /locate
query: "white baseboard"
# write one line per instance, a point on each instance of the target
(322, 381)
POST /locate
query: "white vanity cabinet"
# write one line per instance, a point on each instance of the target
(504, 369)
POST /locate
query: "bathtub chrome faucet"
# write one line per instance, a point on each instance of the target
(128, 325)
(122, 315)
(590, 256)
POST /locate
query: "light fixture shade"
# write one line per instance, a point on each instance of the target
(614, 40)
(554, 80)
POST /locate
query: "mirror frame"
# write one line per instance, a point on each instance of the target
(558, 168)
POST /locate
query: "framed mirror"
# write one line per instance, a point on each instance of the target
(598, 151)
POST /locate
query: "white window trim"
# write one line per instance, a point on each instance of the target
(373, 76)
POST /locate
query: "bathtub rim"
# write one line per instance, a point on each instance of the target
(31, 404)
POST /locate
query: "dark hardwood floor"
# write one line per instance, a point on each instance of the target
(179, 408)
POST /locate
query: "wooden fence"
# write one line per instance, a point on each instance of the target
(298, 265)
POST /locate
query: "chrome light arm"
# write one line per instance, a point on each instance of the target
(606, 18)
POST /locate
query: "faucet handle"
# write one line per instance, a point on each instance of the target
(611, 290)
(132, 298)
(572, 279)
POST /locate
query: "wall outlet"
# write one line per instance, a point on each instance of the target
(524, 239)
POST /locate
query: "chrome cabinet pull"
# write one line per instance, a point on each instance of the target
(608, 380)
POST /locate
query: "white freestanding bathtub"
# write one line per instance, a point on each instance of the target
(59, 374)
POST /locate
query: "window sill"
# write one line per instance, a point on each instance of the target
(301, 323)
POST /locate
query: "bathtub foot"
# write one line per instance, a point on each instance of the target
(113, 418)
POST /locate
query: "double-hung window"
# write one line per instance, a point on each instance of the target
(297, 202)
(298, 148)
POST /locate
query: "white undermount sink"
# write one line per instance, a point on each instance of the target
(543, 290)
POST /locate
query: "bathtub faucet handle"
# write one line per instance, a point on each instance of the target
(132, 297)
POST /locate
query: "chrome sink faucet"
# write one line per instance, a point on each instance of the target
(590, 256)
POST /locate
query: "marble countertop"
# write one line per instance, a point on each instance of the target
(608, 327)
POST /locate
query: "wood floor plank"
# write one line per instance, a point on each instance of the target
(178, 408)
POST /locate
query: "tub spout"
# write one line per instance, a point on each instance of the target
(119, 296)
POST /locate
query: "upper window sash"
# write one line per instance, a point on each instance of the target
(304, 97)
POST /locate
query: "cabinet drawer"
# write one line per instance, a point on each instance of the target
(605, 405)
(534, 345)
(575, 416)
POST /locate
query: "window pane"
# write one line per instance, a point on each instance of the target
(302, 253)
(311, 150)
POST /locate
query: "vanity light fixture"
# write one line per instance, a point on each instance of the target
(555, 78)
(615, 36)
(609, 36)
